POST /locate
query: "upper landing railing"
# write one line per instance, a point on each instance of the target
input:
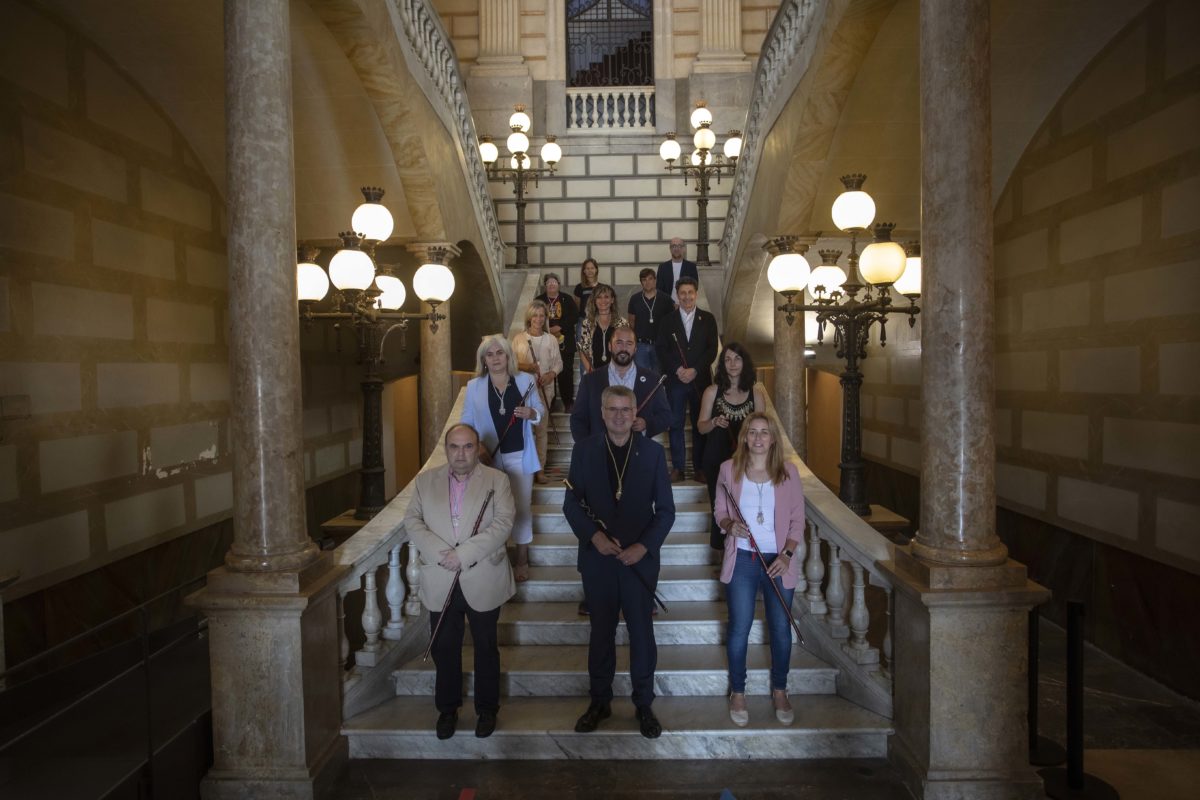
(432, 60)
(785, 49)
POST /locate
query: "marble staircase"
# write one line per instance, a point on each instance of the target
(544, 668)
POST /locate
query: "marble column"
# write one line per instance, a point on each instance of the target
(500, 76)
(264, 339)
(721, 37)
(436, 380)
(961, 607)
(273, 640)
(958, 454)
(791, 390)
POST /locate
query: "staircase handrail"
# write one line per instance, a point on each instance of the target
(430, 53)
(834, 610)
(786, 43)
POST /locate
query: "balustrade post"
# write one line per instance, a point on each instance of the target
(395, 596)
(343, 639)
(412, 607)
(860, 621)
(835, 595)
(372, 622)
(814, 572)
(887, 636)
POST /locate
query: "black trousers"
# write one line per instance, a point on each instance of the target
(447, 655)
(566, 378)
(612, 589)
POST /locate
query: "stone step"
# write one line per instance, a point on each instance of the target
(826, 726)
(553, 494)
(688, 517)
(686, 622)
(562, 584)
(691, 670)
(562, 549)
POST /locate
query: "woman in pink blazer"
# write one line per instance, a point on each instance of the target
(770, 497)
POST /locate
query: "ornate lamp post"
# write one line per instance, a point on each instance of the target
(851, 302)
(703, 165)
(369, 299)
(520, 169)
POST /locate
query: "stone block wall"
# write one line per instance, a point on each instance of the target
(114, 385)
(1097, 260)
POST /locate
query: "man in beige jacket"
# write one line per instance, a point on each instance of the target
(441, 515)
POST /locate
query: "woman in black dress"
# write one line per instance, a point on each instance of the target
(729, 399)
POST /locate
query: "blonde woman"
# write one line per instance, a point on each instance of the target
(593, 336)
(770, 499)
(500, 405)
(537, 353)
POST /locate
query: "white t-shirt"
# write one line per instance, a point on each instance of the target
(759, 498)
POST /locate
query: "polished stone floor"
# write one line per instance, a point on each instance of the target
(1140, 737)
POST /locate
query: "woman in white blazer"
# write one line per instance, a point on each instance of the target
(500, 405)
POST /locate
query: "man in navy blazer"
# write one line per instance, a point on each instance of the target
(674, 268)
(623, 481)
(654, 418)
(687, 347)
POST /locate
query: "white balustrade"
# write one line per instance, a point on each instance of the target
(860, 622)
(835, 595)
(395, 597)
(413, 606)
(611, 108)
(814, 573)
(372, 622)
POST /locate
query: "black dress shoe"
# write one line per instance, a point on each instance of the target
(649, 723)
(597, 711)
(446, 724)
(583, 608)
(485, 724)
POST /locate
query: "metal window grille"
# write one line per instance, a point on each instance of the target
(610, 43)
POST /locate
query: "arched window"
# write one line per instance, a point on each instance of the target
(610, 43)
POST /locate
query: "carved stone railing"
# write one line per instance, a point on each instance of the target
(842, 562)
(376, 569)
(611, 108)
(787, 45)
(432, 60)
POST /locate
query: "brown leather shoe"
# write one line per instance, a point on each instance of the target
(676, 476)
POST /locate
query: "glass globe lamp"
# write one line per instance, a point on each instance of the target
(312, 284)
(350, 267)
(372, 219)
(670, 149)
(393, 293)
(909, 284)
(882, 261)
(704, 138)
(733, 145)
(519, 121)
(433, 283)
(788, 273)
(488, 150)
(701, 115)
(853, 209)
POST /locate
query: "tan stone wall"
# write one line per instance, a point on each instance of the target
(461, 19)
(1098, 338)
(113, 317)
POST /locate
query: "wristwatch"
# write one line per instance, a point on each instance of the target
(789, 553)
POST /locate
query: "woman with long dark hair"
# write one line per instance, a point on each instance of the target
(726, 403)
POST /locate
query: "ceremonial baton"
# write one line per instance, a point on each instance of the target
(778, 594)
(457, 574)
(542, 391)
(662, 379)
(683, 358)
(600, 524)
(511, 420)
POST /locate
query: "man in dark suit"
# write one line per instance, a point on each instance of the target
(674, 268)
(623, 481)
(655, 417)
(687, 346)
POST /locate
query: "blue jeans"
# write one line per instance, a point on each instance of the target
(646, 357)
(742, 593)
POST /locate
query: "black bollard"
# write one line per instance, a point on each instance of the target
(1043, 752)
(1073, 783)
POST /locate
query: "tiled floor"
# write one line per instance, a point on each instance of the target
(1140, 737)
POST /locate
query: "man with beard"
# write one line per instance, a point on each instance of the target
(655, 416)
